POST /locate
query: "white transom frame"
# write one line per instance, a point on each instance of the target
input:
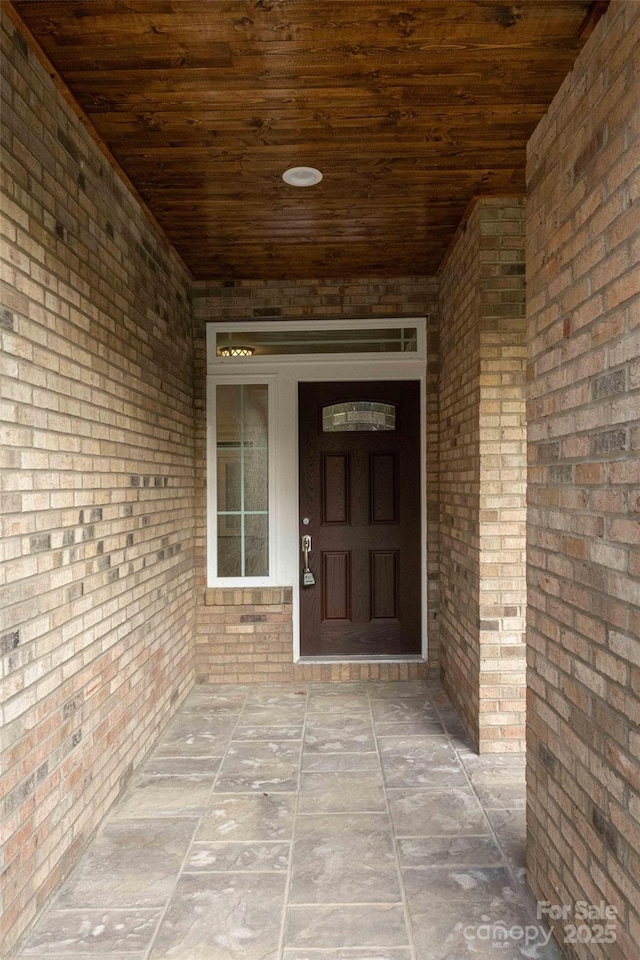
(282, 374)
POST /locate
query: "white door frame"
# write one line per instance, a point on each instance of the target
(283, 373)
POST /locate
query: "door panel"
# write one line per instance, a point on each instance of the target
(335, 488)
(384, 585)
(384, 480)
(336, 585)
(360, 490)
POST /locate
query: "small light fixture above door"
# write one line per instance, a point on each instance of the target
(302, 176)
(238, 351)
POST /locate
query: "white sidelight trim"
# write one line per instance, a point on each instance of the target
(213, 580)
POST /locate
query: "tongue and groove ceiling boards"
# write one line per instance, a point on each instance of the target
(410, 108)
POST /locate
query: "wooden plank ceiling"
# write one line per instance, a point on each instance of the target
(410, 108)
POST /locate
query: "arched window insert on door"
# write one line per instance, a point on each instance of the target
(358, 416)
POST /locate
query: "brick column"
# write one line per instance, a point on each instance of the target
(483, 474)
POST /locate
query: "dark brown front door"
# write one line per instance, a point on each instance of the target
(360, 492)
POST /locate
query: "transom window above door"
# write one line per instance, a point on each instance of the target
(256, 343)
(286, 341)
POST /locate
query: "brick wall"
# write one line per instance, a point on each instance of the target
(313, 299)
(583, 251)
(244, 635)
(96, 581)
(483, 474)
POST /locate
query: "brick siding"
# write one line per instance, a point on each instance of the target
(271, 658)
(583, 255)
(483, 474)
(245, 636)
(102, 582)
(96, 580)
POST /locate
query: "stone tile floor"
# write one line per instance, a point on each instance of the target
(310, 822)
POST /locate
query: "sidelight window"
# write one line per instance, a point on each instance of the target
(242, 479)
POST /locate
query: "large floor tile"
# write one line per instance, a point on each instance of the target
(336, 925)
(192, 736)
(340, 792)
(452, 909)
(449, 852)
(256, 856)
(280, 713)
(332, 705)
(501, 765)
(401, 710)
(229, 702)
(246, 817)
(345, 734)
(157, 766)
(226, 916)
(500, 796)
(347, 762)
(260, 766)
(446, 812)
(222, 693)
(273, 731)
(426, 727)
(396, 689)
(164, 797)
(344, 859)
(131, 863)
(273, 694)
(407, 762)
(93, 932)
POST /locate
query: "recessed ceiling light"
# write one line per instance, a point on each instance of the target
(302, 176)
